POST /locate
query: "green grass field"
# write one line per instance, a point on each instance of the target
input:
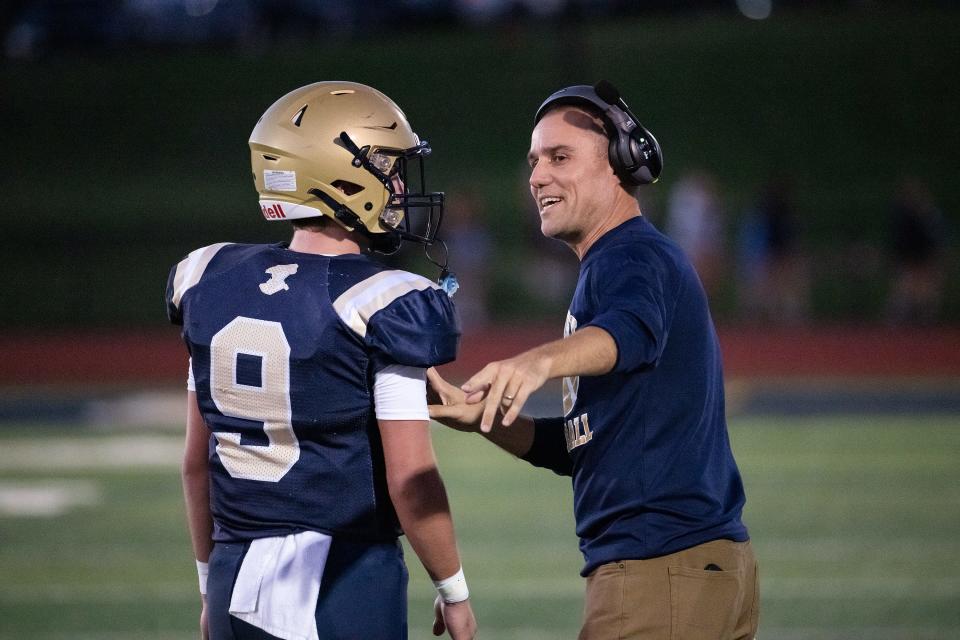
(856, 522)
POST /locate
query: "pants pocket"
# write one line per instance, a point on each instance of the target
(603, 604)
(703, 604)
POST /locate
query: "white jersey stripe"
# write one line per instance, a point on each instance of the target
(357, 304)
(191, 268)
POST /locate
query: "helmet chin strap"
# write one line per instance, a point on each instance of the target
(385, 243)
(341, 212)
(444, 258)
(389, 243)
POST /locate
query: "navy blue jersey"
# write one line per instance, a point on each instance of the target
(284, 349)
(647, 443)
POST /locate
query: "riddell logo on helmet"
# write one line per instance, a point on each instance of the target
(272, 212)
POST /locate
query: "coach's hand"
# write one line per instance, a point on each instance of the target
(456, 618)
(506, 385)
(448, 404)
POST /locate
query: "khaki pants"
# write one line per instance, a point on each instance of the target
(675, 597)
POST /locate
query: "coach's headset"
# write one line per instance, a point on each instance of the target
(633, 151)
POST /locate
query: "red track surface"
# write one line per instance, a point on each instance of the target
(158, 357)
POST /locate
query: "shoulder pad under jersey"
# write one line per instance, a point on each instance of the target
(185, 275)
(402, 317)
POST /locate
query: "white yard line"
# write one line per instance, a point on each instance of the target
(828, 548)
(94, 594)
(523, 589)
(860, 587)
(851, 588)
(532, 633)
(857, 633)
(109, 452)
(101, 635)
(47, 498)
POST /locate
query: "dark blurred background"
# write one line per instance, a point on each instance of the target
(811, 148)
(811, 172)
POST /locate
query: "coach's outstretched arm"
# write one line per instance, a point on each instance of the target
(540, 442)
(448, 406)
(490, 402)
(504, 386)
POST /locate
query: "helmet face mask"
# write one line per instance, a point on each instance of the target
(411, 212)
(422, 211)
(343, 150)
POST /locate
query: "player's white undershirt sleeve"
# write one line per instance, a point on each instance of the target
(191, 384)
(400, 393)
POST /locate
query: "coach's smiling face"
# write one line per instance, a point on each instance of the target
(571, 179)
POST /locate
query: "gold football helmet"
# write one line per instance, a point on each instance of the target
(342, 149)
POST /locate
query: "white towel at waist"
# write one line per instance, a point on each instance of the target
(278, 584)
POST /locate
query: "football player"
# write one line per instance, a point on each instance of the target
(308, 447)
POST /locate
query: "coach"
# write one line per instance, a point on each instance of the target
(657, 493)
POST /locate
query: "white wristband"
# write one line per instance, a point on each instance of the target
(203, 569)
(454, 588)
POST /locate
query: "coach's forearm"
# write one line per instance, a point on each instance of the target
(542, 446)
(590, 351)
(516, 439)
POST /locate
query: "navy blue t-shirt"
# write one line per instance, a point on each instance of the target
(646, 444)
(284, 349)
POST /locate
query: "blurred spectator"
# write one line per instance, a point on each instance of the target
(774, 283)
(470, 244)
(695, 222)
(916, 245)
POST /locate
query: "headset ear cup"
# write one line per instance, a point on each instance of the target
(637, 162)
(613, 155)
(634, 155)
(649, 157)
(624, 153)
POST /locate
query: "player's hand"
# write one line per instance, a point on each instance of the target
(448, 404)
(204, 629)
(505, 386)
(456, 618)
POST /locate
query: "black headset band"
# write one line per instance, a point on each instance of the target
(576, 95)
(624, 130)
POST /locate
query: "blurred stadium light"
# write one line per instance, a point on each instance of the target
(755, 9)
(32, 27)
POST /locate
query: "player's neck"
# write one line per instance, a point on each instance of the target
(332, 240)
